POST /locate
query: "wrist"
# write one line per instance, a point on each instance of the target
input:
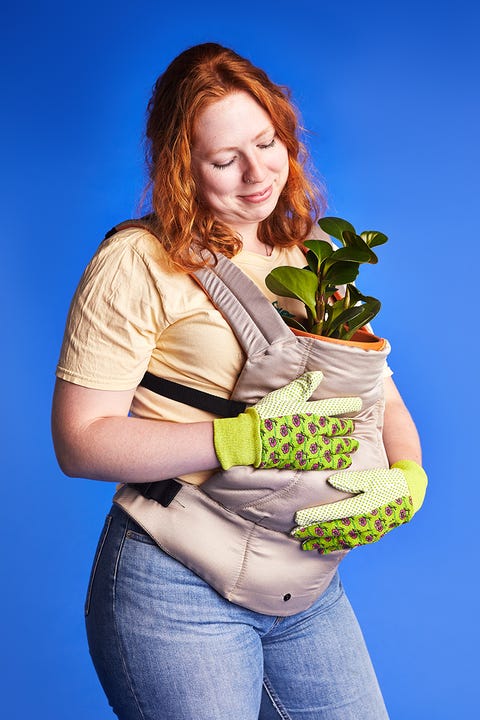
(416, 478)
(237, 440)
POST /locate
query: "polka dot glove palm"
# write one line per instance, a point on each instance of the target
(383, 500)
(287, 430)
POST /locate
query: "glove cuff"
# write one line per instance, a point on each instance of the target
(237, 440)
(417, 481)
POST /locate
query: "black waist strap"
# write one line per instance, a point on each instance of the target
(162, 491)
(195, 398)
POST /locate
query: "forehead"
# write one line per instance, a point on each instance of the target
(237, 116)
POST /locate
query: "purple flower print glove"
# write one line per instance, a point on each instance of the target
(383, 500)
(287, 430)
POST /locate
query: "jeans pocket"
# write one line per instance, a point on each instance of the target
(138, 536)
(96, 559)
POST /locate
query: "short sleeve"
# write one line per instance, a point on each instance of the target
(114, 320)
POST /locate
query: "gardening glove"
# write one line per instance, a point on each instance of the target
(384, 500)
(286, 430)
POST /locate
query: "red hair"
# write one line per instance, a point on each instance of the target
(195, 79)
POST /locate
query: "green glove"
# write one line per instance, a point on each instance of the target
(286, 430)
(384, 500)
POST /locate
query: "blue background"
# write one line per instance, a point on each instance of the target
(389, 95)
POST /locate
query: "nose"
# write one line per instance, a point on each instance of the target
(254, 171)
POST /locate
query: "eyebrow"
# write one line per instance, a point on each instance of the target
(257, 137)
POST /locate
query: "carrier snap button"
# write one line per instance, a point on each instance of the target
(287, 597)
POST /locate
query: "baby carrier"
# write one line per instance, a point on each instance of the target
(233, 530)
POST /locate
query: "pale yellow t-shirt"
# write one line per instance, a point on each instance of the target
(130, 313)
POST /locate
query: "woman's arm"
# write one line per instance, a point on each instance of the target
(400, 435)
(95, 438)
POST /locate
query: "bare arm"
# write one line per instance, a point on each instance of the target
(399, 432)
(94, 438)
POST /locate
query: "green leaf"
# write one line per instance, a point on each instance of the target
(356, 317)
(341, 273)
(373, 237)
(335, 226)
(312, 261)
(337, 326)
(348, 254)
(331, 313)
(357, 241)
(368, 312)
(351, 239)
(355, 296)
(320, 248)
(338, 307)
(327, 291)
(295, 283)
(291, 322)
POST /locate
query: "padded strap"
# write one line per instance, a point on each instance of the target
(250, 314)
(144, 223)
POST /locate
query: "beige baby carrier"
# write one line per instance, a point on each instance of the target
(233, 531)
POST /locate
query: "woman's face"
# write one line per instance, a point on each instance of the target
(239, 164)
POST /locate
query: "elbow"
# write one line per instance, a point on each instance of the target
(70, 458)
(74, 443)
(67, 461)
(69, 448)
(76, 459)
(70, 470)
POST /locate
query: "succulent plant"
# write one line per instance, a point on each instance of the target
(329, 268)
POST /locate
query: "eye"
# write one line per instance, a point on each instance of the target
(222, 166)
(268, 145)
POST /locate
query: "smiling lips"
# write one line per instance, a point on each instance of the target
(258, 197)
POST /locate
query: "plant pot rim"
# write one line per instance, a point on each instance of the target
(363, 338)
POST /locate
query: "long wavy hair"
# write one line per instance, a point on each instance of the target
(198, 77)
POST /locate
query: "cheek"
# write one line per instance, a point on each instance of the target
(281, 161)
(217, 183)
(207, 187)
(283, 167)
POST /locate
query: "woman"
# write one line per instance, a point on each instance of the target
(227, 178)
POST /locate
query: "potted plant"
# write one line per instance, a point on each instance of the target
(329, 312)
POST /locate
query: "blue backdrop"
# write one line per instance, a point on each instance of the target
(389, 96)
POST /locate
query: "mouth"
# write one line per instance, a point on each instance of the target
(259, 196)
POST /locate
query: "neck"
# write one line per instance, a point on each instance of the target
(253, 244)
(259, 248)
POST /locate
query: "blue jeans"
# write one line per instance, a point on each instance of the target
(166, 646)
